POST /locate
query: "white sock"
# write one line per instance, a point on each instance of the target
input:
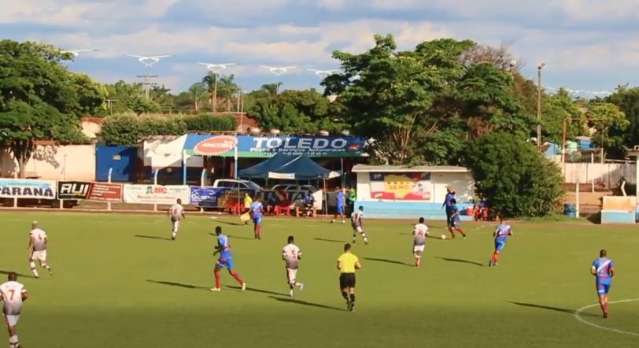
(35, 272)
(13, 341)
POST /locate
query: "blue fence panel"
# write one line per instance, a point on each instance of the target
(409, 210)
(120, 158)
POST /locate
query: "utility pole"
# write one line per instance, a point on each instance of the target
(541, 66)
(147, 83)
(110, 105)
(214, 105)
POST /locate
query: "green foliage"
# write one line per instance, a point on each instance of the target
(627, 99)
(610, 124)
(40, 99)
(515, 178)
(556, 109)
(305, 111)
(127, 129)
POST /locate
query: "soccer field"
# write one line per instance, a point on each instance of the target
(120, 282)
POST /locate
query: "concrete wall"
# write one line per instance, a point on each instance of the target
(68, 162)
(604, 175)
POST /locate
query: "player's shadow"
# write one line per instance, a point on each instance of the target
(551, 308)
(151, 237)
(395, 262)
(179, 285)
(305, 303)
(329, 240)
(234, 236)
(19, 274)
(261, 291)
(470, 262)
(231, 223)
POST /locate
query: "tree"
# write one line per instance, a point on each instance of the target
(40, 99)
(515, 178)
(211, 80)
(610, 124)
(227, 89)
(559, 109)
(627, 99)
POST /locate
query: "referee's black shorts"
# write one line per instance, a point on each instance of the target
(346, 280)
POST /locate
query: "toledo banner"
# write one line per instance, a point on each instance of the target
(401, 186)
(27, 188)
(156, 194)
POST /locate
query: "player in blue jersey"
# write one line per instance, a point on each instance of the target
(257, 212)
(501, 235)
(449, 205)
(341, 205)
(225, 260)
(603, 269)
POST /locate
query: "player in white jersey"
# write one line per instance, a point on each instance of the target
(38, 249)
(12, 295)
(176, 213)
(420, 232)
(356, 223)
(291, 254)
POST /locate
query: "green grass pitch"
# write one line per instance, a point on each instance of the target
(119, 282)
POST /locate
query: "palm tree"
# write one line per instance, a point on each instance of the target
(211, 83)
(228, 88)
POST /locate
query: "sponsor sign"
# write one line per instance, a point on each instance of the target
(73, 189)
(105, 192)
(401, 186)
(27, 188)
(156, 194)
(267, 146)
(215, 146)
(217, 197)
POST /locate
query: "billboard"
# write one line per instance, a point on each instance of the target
(27, 188)
(267, 146)
(73, 189)
(156, 194)
(401, 186)
(217, 197)
(105, 192)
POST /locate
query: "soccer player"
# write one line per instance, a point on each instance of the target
(357, 224)
(603, 269)
(225, 260)
(420, 232)
(291, 254)
(247, 205)
(12, 294)
(501, 235)
(257, 212)
(347, 264)
(176, 213)
(454, 223)
(38, 249)
(448, 204)
(341, 205)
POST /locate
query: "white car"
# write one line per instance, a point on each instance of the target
(244, 185)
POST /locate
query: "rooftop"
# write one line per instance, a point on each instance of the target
(363, 168)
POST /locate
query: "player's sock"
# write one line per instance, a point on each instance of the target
(13, 341)
(34, 271)
(173, 235)
(237, 277)
(365, 238)
(345, 296)
(218, 279)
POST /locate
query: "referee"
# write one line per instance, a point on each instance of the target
(347, 264)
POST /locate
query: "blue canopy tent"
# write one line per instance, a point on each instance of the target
(287, 167)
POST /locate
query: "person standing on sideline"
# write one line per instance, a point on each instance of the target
(291, 254)
(341, 205)
(12, 295)
(603, 269)
(38, 242)
(420, 232)
(257, 212)
(225, 260)
(176, 213)
(352, 198)
(247, 206)
(347, 264)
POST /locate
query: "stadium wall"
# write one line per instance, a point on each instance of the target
(602, 175)
(66, 162)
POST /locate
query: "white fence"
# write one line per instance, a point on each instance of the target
(602, 175)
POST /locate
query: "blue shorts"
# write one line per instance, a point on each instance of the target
(500, 245)
(603, 287)
(226, 262)
(340, 209)
(257, 220)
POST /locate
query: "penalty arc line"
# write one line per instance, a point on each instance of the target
(584, 321)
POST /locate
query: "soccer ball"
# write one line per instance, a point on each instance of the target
(443, 236)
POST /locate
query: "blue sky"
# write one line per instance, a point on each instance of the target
(589, 45)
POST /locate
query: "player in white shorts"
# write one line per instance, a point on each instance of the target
(176, 213)
(291, 254)
(420, 232)
(356, 223)
(12, 295)
(38, 249)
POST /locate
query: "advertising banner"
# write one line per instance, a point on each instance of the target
(156, 194)
(105, 192)
(401, 186)
(27, 188)
(216, 197)
(73, 189)
(267, 146)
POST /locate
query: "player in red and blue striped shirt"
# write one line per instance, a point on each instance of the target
(603, 269)
(501, 235)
